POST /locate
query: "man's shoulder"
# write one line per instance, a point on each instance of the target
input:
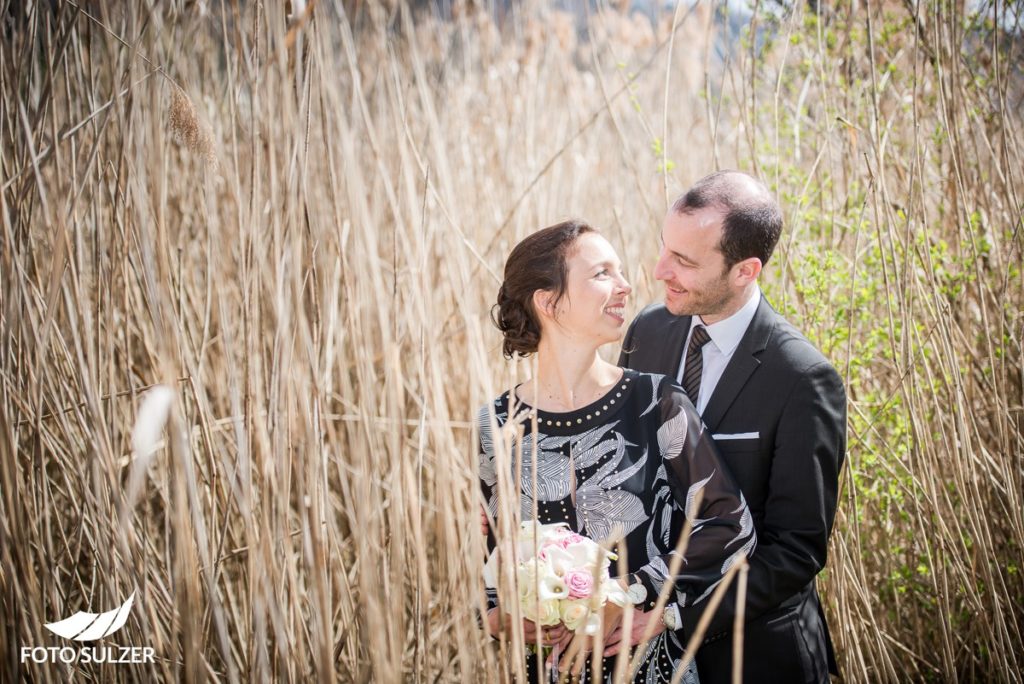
(790, 347)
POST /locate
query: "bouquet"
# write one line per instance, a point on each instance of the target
(562, 577)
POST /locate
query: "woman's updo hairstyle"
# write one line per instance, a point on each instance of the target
(536, 263)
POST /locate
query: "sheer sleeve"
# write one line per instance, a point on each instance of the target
(723, 528)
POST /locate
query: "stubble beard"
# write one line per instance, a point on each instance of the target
(711, 301)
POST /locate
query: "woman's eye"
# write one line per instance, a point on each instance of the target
(602, 272)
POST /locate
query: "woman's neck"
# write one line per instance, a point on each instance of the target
(568, 378)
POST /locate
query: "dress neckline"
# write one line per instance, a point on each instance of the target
(594, 412)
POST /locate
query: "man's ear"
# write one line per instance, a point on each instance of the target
(746, 271)
(543, 303)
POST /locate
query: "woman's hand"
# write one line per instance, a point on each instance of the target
(549, 636)
(618, 639)
(611, 621)
(496, 622)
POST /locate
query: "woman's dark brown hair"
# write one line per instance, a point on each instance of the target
(536, 263)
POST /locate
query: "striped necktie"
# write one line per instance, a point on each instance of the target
(695, 362)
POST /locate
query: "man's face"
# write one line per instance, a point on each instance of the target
(691, 265)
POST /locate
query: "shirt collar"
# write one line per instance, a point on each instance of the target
(727, 333)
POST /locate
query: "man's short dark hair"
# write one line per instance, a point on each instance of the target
(753, 221)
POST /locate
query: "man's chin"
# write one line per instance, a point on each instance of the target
(677, 308)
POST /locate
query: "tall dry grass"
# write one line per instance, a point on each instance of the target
(297, 223)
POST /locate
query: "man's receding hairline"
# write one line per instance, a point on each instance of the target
(729, 190)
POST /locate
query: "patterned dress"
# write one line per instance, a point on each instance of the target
(639, 455)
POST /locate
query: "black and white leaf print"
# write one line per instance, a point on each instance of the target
(608, 468)
(488, 469)
(663, 660)
(552, 468)
(655, 384)
(488, 472)
(548, 444)
(552, 477)
(483, 421)
(672, 436)
(616, 478)
(691, 494)
(746, 522)
(657, 570)
(747, 548)
(654, 674)
(593, 445)
(707, 592)
(660, 529)
(743, 552)
(690, 676)
(605, 510)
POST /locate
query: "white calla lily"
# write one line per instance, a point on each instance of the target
(491, 570)
(552, 587)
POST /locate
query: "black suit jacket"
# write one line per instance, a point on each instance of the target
(778, 386)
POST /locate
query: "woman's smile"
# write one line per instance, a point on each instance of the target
(617, 311)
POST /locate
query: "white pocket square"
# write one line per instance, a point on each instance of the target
(738, 435)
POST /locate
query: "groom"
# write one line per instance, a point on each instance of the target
(776, 409)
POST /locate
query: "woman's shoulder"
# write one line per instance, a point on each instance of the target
(489, 418)
(497, 407)
(659, 383)
(662, 389)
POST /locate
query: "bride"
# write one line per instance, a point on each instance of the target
(616, 450)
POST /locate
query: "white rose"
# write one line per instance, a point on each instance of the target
(544, 613)
(527, 592)
(574, 613)
(548, 615)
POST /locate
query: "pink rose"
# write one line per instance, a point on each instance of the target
(580, 583)
(571, 538)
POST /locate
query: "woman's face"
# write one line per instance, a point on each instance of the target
(593, 306)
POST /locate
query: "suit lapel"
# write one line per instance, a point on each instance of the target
(671, 351)
(742, 365)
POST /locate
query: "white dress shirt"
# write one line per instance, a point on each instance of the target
(725, 337)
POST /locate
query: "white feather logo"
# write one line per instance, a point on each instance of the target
(91, 626)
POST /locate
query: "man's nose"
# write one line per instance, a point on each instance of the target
(661, 270)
